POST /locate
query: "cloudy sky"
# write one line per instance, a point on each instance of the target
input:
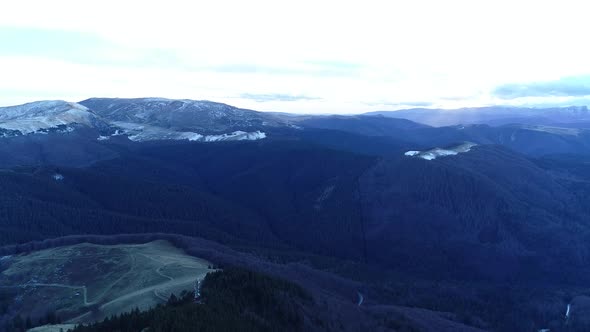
(299, 56)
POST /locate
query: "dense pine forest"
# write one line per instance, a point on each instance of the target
(232, 300)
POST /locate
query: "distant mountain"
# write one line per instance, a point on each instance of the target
(534, 140)
(180, 115)
(143, 119)
(363, 125)
(495, 115)
(46, 116)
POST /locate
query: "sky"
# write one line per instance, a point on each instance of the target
(299, 56)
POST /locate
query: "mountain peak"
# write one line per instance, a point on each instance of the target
(39, 108)
(41, 116)
(180, 114)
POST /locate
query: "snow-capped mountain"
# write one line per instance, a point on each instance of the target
(204, 117)
(141, 119)
(45, 116)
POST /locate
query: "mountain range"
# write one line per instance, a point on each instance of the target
(572, 116)
(442, 210)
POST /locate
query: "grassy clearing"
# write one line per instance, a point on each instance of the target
(87, 282)
(53, 328)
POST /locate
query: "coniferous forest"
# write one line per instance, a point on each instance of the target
(232, 300)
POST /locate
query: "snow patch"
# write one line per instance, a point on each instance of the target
(58, 177)
(192, 136)
(103, 138)
(439, 152)
(141, 133)
(236, 136)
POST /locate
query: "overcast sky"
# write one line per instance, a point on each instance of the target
(299, 56)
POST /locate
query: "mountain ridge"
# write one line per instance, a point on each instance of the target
(493, 115)
(139, 119)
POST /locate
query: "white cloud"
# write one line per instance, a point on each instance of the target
(351, 54)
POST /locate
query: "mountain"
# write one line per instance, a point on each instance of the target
(46, 116)
(458, 210)
(488, 222)
(139, 119)
(495, 115)
(78, 134)
(180, 115)
(533, 140)
(363, 125)
(155, 119)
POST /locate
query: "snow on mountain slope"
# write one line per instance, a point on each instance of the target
(145, 119)
(139, 133)
(439, 152)
(236, 136)
(181, 115)
(43, 115)
(38, 108)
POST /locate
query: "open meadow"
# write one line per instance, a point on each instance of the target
(87, 282)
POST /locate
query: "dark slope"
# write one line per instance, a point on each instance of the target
(77, 148)
(344, 141)
(303, 194)
(35, 206)
(363, 125)
(487, 213)
(299, 194)
(447, 215)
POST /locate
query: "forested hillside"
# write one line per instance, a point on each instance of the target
(232, 300)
